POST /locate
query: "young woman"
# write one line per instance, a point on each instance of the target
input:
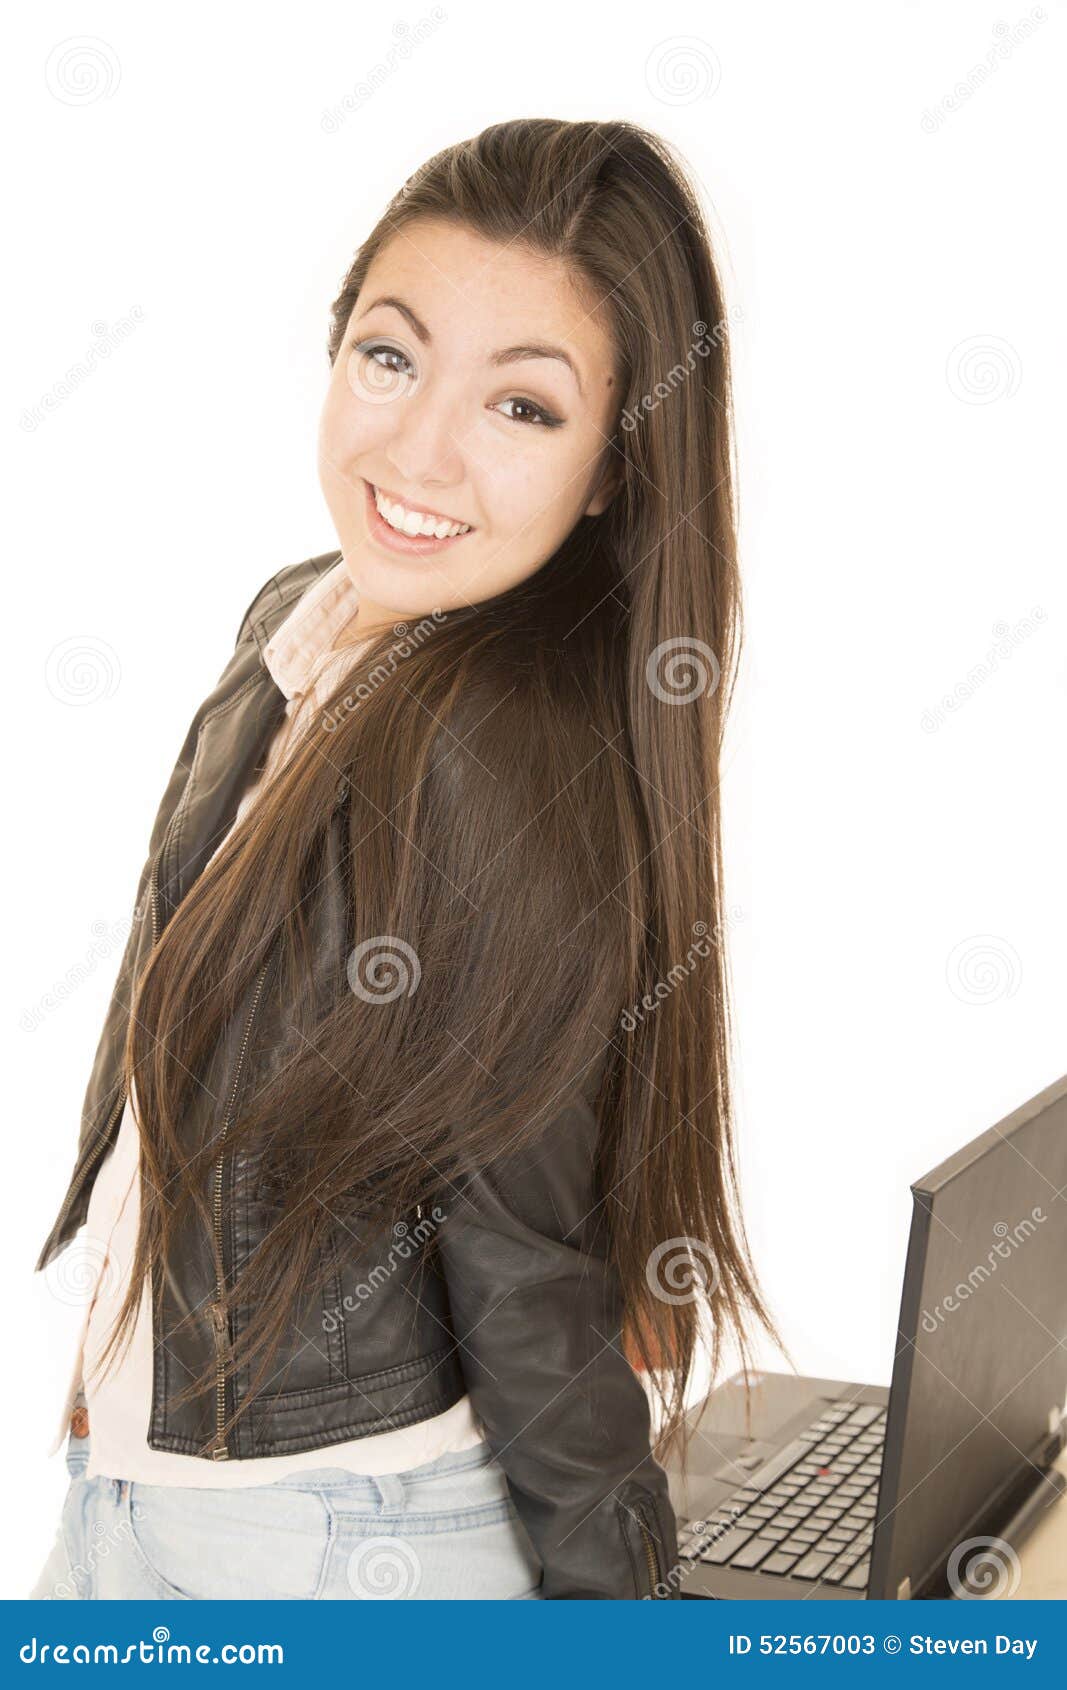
(407, 1145)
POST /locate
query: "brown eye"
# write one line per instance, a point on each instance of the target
(540, 418)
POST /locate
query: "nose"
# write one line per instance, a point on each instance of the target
(425, 447)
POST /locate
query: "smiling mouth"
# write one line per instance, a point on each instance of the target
(413, 522)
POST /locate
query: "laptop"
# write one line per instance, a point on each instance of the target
(845, 1491)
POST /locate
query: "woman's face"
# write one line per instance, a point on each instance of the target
(483, 392)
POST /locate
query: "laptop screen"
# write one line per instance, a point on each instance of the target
(980, 1370)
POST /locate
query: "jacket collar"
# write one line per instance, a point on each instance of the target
(235, 723)
(303, 645)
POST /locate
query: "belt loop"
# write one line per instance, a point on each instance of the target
(390, 1490)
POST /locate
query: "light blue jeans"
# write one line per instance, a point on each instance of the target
(448, 1529)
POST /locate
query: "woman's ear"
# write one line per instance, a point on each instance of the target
(608, 486)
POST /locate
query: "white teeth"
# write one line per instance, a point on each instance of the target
(414, 522)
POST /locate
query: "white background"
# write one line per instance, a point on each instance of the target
(897, 864)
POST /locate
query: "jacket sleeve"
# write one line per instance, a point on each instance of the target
(537, 1317)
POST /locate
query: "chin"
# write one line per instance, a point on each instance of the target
(409, 590)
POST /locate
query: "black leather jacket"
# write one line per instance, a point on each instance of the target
(514, 1308)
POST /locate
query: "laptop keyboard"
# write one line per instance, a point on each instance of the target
(808, 1512)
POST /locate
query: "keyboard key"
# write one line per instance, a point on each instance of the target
(864, 1413)
(859, 1577)
(812, 1565)
(718, 1553)
(779, 1562)
(753, 1552)
(836, 1571)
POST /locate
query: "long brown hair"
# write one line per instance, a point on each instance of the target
(535, 811)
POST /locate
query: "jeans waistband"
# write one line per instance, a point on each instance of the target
(380, 1489)
(341, 1478)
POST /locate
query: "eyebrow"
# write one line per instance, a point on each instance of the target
(507, 355)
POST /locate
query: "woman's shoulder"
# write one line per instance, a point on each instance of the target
(279, 593)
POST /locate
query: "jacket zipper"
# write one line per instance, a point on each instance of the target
(219, 1320)
(650, 1556)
